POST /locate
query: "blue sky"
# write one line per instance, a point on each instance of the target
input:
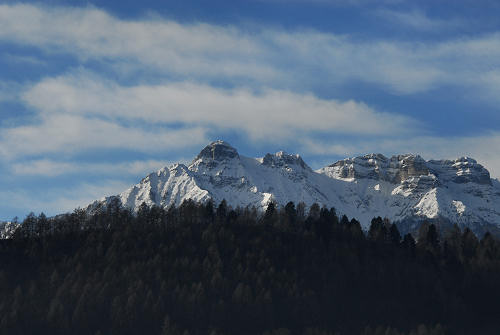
(94, 95)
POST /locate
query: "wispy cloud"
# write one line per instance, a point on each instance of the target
(72, 134)
(270, 57)
(418, 20)
(83, 110)
(91, 33)
(53, 168)
(22, 59)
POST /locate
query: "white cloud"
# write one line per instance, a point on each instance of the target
(22, 59)
(81, 112)
(418, 20)
(263, 115)
(53, 168)
(270, 57)
(91, 33)
(70, 134)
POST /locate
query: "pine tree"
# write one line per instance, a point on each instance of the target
(394, 235)
(432, 238)
(222, 210)
(377, 230)
(291, 212)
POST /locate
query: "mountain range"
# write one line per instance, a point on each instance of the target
(406, 189)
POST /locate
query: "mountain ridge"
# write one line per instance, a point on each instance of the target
(404, 188)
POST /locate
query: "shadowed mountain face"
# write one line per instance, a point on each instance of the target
(379, 167)
(217, 151)
(399, 168)
(404, 188)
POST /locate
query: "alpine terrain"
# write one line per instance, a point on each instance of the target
(405, 188)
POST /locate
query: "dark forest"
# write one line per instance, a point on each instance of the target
(211, 269)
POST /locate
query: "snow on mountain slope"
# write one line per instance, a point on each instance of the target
(404, 188)
(219, 172)
(7, 229)
(459, 191)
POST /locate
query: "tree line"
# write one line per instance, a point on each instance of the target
(206, 269)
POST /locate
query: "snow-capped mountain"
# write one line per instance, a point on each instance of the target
(405, 188)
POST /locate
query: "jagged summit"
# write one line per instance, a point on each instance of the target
(398, 168)
(404, 188)
(217, 151)
(378, 167)
(461, 170)
(284, 159)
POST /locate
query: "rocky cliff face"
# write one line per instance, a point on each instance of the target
(462, 170)
(405, 188)
(399, 168)
(378, 167)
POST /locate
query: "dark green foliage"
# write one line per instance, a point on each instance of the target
(377, 230)
(394, 235)
(206, 269)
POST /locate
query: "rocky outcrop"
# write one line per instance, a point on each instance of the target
(282, 159)
(461, 170)
(401, 167)
(408, 166)
(378, 167)
(217, 151)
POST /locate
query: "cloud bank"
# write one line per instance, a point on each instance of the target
(269, 57)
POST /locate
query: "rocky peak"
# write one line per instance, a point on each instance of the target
(461, 170)
(399, 168)
(367, 166)
(281, 159)
(217, 151)
(378, 167)
(408, 165)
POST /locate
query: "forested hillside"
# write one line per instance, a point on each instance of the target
(205, 269)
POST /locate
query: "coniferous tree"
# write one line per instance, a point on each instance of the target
(377, 230)
(394, 235)
(291, 212)
(432, 238)
(222, 210)
(469, 244)
(409, 245)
